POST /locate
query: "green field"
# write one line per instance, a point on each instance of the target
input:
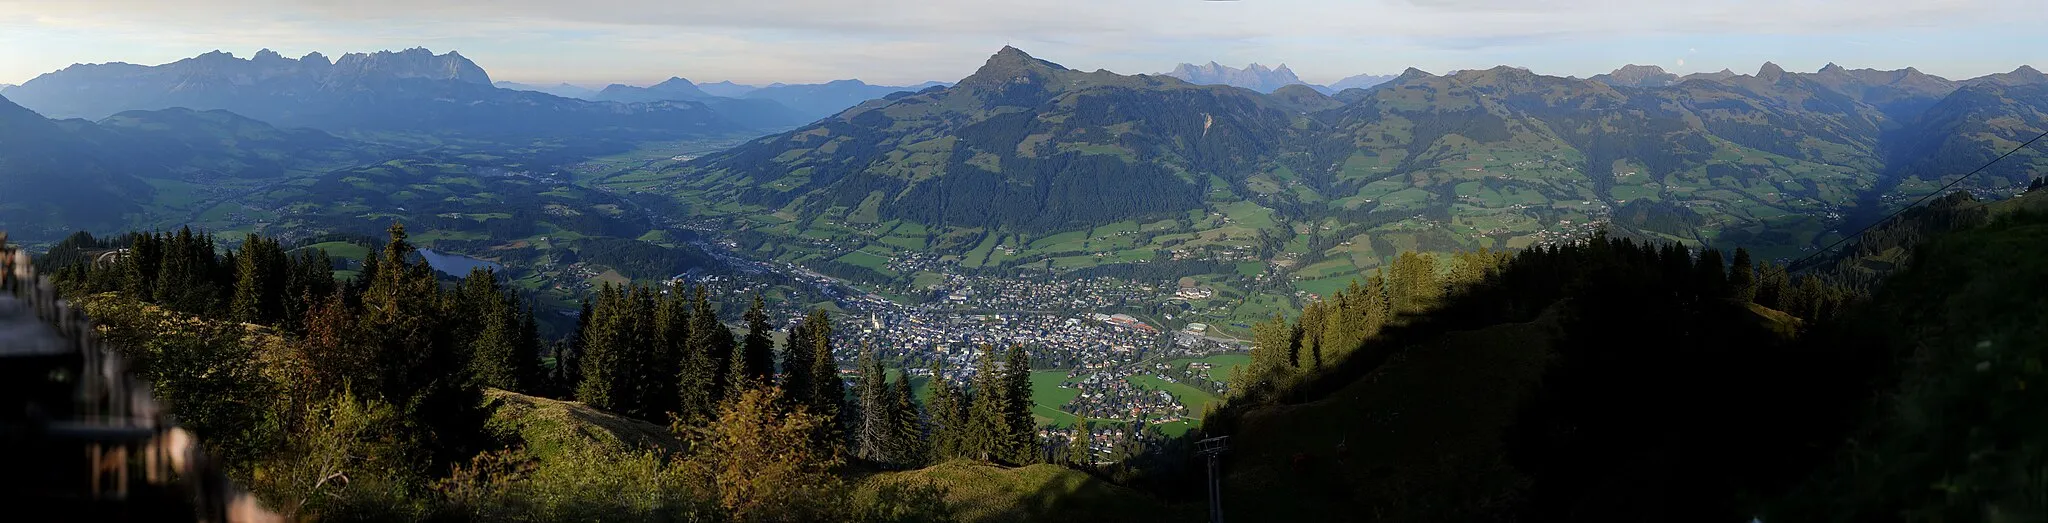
(1225, 364)
(1048, 393)
(1196, 400)
(342, 250)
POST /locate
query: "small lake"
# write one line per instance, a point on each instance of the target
(455, 264)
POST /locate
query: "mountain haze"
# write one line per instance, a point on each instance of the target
(563, 90)
(408, 92)
(1255, 77)
(1360, 81)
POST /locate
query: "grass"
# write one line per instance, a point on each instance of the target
(554, 427)
(1048, 393)
(1435, 414)
(1225, 364)
(1196, 400)
(983, 493)
(342, 250)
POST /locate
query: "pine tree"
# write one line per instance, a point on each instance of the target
(602, 386)
(671, 359)
(986, 431)
(1771, 286)
(948, 415)
(1078, 445)
(1742, 277)
(1021, 436)
(525, 360)
(710, 338)
(496, 346)
(830, 397)
(1712, 275)
(261, 274)
(797, 354)
(909, 442)
(876, 423)
(420, 366)
(756, 359)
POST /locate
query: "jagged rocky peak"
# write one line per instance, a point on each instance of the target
(267, 55)
(417, 62)
(315, 58)
(1832, 68)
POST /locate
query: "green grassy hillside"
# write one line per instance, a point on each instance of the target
(1422, 433)
(1960, 437)
(983, 493)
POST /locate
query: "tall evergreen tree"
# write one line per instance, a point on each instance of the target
(1021, 432)
(756, 358)
(1079, 451)
(261, 275)
(797, 354)
(667, 372)
(603, 386)
(876, 423)
(829, 398)
(706, 359)
(987, 433)
(495, 346)
(948, 415)
(909, 444)
(421, 368)
(1742, 277)
(1712, 274)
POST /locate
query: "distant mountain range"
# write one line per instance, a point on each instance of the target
(64, 175)
(414, 92)
(1259, 78)
(727, 89)
(564, 90)
(1491, 157)
(1255, 77)
(1361, 81)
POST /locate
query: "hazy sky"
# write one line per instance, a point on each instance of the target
(906, 41)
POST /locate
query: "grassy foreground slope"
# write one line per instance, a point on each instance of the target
(983, 493)
(1421, 434)
(1960, 437)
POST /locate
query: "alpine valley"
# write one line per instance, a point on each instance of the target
(1029, 167)
(1024, 167)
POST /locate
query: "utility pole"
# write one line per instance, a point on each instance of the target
(1213, 448)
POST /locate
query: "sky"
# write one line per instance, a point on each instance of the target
(595, 42)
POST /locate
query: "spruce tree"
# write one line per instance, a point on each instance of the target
(1742, 277)
(987, 433)
(710, 337)
(797, 354)
(671, 356)
(830, 396)
(876, 422)
(1078, 445)
(909, 444)
(1712, 275)
(756, 359)
(948, 414)
(420, 366)
(603, 386)
(261, 275)
(1021, 429)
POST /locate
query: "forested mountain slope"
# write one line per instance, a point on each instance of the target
(1026, 150)
(1622, 382)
